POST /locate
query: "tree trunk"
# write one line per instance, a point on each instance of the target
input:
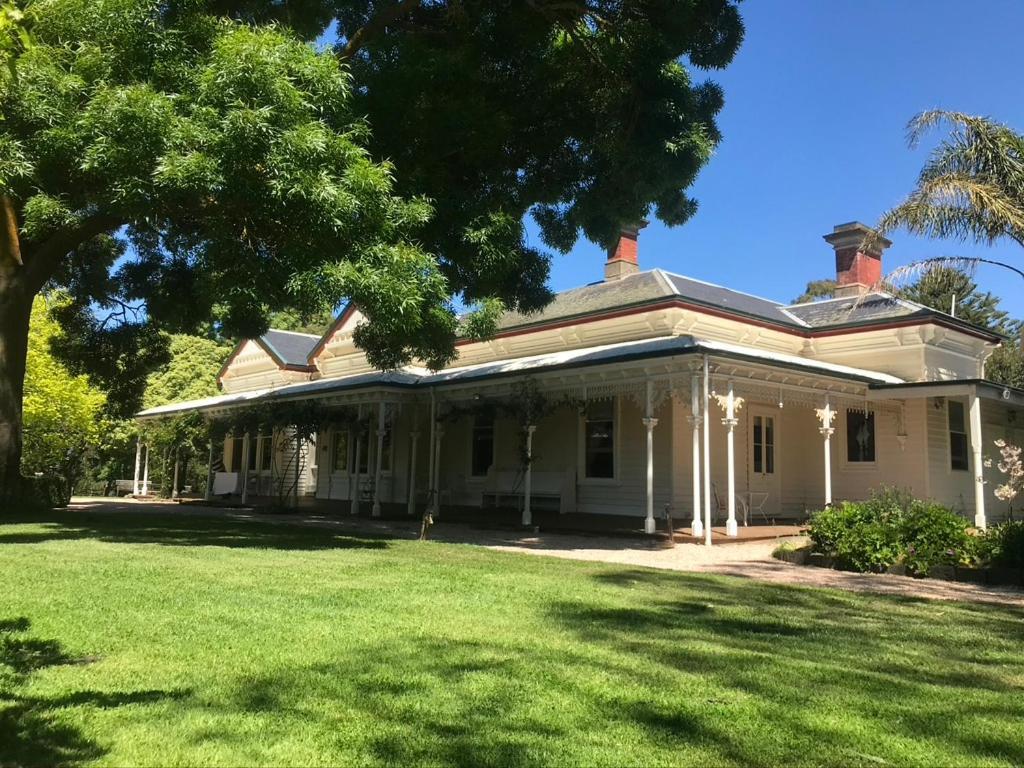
(15, 310)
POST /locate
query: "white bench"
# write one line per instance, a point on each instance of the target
(554, 491)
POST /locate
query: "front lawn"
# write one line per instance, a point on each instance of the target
(134, 639)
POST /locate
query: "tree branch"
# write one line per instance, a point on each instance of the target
(10, 245)
(45, 258)
(375, 27)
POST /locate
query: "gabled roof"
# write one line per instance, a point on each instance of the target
(289, 349)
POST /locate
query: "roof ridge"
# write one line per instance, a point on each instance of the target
(295, 333)
(726, 288)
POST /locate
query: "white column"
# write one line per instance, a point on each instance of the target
(825, 416)
(730, 422)
(145, 474)
(650, 423)
(437, 472)
(697, 527)
(298, 466)
(431, 488)
(411, 503)
(209, 474)
(138, 463)
(177, 464)
(379, 468)
(245, 467)
(528, 477)
(354, 480)
(707, 454)
(977, 465)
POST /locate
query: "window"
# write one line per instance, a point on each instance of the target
(860, 436)
(482, 449)
(599, 436)
(957, 435)
(266, 452)
(339, 452)
(385, 464)
(764, 445)
(362, 448)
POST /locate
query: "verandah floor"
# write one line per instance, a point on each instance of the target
(615, 525)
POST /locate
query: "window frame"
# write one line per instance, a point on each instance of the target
(774, 471)
(616, 422)
(473, 429)
(966, 435)
(848, 461)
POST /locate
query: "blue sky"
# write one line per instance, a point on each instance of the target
(817, 102)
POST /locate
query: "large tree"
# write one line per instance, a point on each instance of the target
(179, 163)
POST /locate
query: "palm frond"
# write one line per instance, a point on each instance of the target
(957, 205)
(901, 277)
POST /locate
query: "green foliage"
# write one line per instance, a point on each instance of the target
(972, 186)
(315, 323)
(937, 287)
(933, 535)
(62, 412)
(1006, 365)
(190, 374)
(817, 289)
(1003, 545)
(888, 528)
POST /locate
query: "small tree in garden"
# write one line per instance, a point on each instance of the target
(62, 412)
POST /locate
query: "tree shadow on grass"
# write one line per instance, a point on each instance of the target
(179, 530)
(31, 729)
(902, 666)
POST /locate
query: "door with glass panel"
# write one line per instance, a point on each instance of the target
(764, 462)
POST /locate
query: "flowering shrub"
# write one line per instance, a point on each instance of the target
(889, 528)
(1010, 464)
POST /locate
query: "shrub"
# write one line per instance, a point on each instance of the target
(1003, 545)
(889, 528)
(42, 492)
(933, 535)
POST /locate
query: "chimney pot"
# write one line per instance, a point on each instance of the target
(858, 250)
(623, 258)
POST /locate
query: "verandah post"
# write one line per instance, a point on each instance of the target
(650, 423)
(707, 454)
(697, 527)
(138, 466)
(379, 467)
(528, 477)
(977, 464)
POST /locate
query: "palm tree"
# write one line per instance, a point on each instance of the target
(972, 186)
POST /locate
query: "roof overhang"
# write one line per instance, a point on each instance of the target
(988, 390)
(661, 350)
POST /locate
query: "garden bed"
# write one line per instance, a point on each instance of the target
(992, 575)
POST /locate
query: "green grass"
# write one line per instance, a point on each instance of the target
(130, 639)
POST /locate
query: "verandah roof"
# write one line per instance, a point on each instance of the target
(413, 377)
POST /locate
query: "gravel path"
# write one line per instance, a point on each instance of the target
(751, 560)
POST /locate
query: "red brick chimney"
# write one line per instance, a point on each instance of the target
(858, 257)
(623, 258)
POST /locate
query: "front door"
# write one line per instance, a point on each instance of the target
(765, 474)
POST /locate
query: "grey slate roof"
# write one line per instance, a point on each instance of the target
(657, 285)
(856, 309)
(291, 348)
